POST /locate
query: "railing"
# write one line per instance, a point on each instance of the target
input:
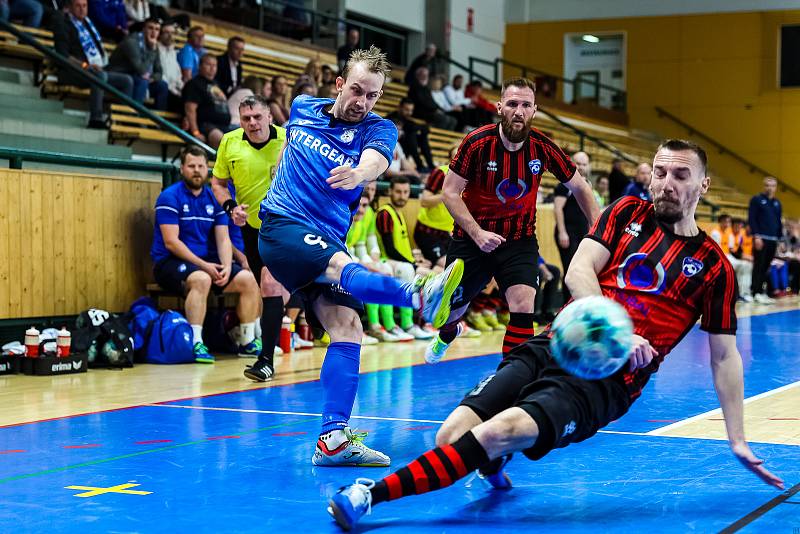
(16, 157)
(722, 149)
(64, 63)
(294, 21)
(618, 96)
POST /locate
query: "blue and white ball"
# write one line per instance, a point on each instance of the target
(592, 337)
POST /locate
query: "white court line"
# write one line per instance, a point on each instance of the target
(673, 426)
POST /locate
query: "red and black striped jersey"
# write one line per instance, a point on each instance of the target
(501, 185)
(435, 181)
(664, 281)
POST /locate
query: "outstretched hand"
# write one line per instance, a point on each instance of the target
(748, 459)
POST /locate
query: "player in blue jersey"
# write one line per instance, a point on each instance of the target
(334, 147)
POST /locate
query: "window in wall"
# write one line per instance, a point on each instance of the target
(789, 75)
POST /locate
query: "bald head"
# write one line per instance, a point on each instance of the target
(583, 164)
(644, 172)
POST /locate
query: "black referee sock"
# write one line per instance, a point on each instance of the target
(436, 469)
(519, 329)
(271, 319)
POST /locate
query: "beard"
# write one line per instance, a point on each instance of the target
(667, 212)
(194, 182)
(512, 134)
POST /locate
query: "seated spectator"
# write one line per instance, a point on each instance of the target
(455, 92)
(26, 12)
(279, 102)
(601, 190)
(434, 222)
(425, 107)
(474, 92)
(76, 38)
(639, 187)
(229, 66)
(138, 11)
(205, 105)
(617, 180)
(402, 165)
(192, 254)
(170, 69)
(313, 71)
(137, 56)
(305, 87)
(472, 116)
(327, 87)
(344, 51)
(426, 59)
(725, 237)
(395, 244)
(455, 111)
(190, 54)
(266, 90)
(251, 86)
(546, 303)
(110, 17)
(415, 134)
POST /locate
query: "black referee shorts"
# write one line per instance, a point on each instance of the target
(567, 409)
(512, 263)
(250, 238)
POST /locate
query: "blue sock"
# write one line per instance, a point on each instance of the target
(339, 377)
(376, 288)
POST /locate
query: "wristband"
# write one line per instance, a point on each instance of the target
(228, 206)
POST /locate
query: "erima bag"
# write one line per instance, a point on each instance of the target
(105, 337)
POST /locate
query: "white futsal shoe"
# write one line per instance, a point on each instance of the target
(343, 448)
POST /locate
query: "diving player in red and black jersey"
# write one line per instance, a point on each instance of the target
(667, 273)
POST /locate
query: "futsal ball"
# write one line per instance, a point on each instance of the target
(592, 337)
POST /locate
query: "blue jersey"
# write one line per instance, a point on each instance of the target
(315, 144)
(196, 217)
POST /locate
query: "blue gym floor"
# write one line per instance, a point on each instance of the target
(240, 462)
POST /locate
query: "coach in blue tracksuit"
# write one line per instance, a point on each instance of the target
(764, 218)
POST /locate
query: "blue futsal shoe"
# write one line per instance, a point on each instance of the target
(494, 473)
(251, 350)
(351, 503)
(436, 291)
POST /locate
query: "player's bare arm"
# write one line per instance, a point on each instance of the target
(726, 367)
(451, 195)
(581, 279)
(219, 187)
(582, 190)
(371, 165)
(558, 213)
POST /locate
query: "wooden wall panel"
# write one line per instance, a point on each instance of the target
(71, 242)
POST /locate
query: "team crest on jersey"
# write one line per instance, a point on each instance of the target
(691, 267)
(186, 208)
(535, 166)
(508, 191)
(209, 209)
(491, 166)
(303, 122)
(348, 136)
(638, 274)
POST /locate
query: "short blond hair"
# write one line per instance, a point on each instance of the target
(373, 59)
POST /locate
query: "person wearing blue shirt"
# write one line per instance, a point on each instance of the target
(641, 182)
(764, 219)
(332, 148)
(192, 252)
(189, 56)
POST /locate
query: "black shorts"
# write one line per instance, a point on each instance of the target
(250, 238)
(171, 273)
(433, 245)
(512, 263)
(567, 409)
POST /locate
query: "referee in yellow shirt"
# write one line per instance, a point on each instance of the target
(248, 156)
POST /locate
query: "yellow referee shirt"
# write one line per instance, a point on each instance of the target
(250, 167)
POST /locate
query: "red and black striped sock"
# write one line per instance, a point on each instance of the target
(436, 469)
(519, 330)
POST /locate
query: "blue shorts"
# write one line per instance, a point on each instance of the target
(171, 273)
(297, 256)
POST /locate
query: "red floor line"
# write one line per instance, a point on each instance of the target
(228, 392)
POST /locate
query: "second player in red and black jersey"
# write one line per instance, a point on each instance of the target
(490, 190)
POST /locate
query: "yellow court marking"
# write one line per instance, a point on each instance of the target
(771, 417)
(121, 488)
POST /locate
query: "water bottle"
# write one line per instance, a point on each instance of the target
(32, 342)
(63, 342)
